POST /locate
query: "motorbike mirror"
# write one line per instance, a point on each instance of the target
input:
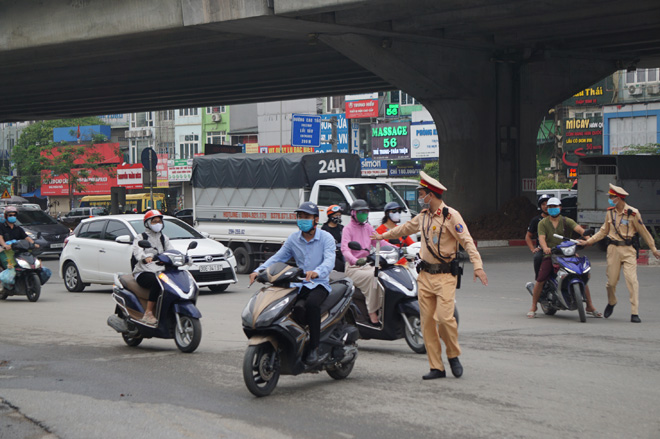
(192, 245)
(354, 245)
(144, 243)
(394, 241)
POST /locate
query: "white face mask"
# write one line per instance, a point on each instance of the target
(156, 227)
(395, 216)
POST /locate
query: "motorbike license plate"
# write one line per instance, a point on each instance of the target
(212, 267)
(60, 245)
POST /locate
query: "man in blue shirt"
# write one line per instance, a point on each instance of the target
(313, 250)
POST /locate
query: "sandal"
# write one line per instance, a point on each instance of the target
(595, 314)
(149, 319)
(531, 315)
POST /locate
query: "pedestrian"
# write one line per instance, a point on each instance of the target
(334, 227)
(622, 223)
(532, 235)
(442, 229)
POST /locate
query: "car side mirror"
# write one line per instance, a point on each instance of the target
(123, 239)
(192, 245)
(205, 234)
(144, 243)
(354, 245)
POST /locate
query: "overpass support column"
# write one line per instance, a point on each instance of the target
(487, 107)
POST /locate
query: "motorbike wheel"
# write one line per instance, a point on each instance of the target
(188, 340)
(415, 339)
(32, 287)
(340, 371)
(72, 280)
(4, 294)
(548, 309)
(131, 341)
(260, 378)
(577, 296)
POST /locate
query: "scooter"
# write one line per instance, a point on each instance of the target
(400, 310)
(274, 322)
(28, 279)
(564, 291)
(177, 315)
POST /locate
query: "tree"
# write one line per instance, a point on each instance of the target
(648, 149)
(36, 138)
(433, 169)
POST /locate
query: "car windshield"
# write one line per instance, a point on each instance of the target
(377, 195)
(174, 229)
(34, 218)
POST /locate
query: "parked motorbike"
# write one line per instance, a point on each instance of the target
(28, 279)
(400, 310)
(564, 290)
(177, 315)
(274, 322)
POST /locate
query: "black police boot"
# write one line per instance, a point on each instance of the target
(434, 373)
(314, 358)
(608, 310)
(635, 318)
(456, 367)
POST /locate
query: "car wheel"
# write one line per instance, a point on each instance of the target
(244, 261)
(72, 280)
(218, 288)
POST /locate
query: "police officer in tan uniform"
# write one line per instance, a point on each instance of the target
(622, 222)
(442, 228)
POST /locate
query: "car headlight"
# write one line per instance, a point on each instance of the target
(228, 253)
(30, 234)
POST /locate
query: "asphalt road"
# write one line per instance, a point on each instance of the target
(65, 374)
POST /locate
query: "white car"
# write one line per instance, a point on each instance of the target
(102, 246)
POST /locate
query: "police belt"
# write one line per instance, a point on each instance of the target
(626, 243)
(435, 268)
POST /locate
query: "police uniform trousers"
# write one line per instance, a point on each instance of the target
(626, 257)
(436, 305)
(363, 278)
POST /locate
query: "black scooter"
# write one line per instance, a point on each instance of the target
(28, 268)
(274, 322)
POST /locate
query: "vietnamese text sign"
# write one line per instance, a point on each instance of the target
(373, 168)
(357, 109)
(405, 170)
(129, 176)
(161, 171)
(582, 136)
(423, 141)
(390, 141)
(98, 182)
(326, 133)
(179, 170)
(305, 130)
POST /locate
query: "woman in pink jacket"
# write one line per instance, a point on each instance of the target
(362, 275)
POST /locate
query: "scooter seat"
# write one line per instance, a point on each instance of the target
(337, 292)
(129, 282)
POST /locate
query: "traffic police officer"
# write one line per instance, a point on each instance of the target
(621, 224)
(442, 228)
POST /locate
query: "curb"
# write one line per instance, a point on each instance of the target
(647, 258)
(500, 243)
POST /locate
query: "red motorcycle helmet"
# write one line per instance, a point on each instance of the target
(151, 214)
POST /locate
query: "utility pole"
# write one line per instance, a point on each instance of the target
(333, 139)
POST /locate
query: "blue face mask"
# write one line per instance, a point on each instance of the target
(2, 219)
(11, 219)
(305, 224)
(612, 203)
(554, 211)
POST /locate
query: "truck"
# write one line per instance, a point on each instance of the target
(247, 201)
(639, 175)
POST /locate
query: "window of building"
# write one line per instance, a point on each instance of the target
(642, 75)
(653, 75)
(188, 146)
(402, 98)
(216, 137)
(335, 103)
(167, 115)
(188, 112)
(215, 109)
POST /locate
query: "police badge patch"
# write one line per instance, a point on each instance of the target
(459, 228)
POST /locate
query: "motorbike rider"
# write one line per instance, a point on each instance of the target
(553, 224)
(391, 219)
(532, 235)
(145, 269)
(314, 252)
(334, 227)
(362, 275)
(11, 231)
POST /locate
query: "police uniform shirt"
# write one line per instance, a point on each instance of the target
(627, 224)
(436, 229)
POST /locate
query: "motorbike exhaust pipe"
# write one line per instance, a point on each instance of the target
(350, 352)
(118, 324)
(530, 288)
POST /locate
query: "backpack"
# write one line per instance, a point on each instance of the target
(134, 261)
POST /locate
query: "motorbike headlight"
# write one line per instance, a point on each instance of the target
(23, 264)
(569, 251)
(228, 254)
(266, 317)
(37, 263)
(30, 234)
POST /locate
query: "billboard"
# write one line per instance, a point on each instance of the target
(326, 133)
(363, 105)
(129, 176)
(98, 182)
(424, 141)
(373, 168)
(390, 141)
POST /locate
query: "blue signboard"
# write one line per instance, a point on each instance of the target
(70, 134)
(405, 170)
(305, 130)
(326, 133)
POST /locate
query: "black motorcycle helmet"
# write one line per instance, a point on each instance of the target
(359, 205)
(542, 198)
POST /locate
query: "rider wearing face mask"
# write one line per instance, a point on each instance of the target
(391, 219)
(360, 230)
(145, 270)
(334, 227)
(314, 252)
(11, 231)
(553, 224)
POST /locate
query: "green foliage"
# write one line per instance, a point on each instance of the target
(433, 169)
(549, 183)
(35, 138)
(648, 149)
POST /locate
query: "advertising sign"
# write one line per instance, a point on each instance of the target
(326, 133)
(601, 93)
(362, 105)
(129, 176)
(373, 168)
(179, 170)
(274, 149)
(423, 141)
(98, 182)
(582, 136)
(410, 170)
(390, 141)
(162, 176)
(305, 130)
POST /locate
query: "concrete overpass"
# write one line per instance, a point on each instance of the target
(487, 70)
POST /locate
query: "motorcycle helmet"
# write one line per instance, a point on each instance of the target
(554, 202)
(151, 215)
(333, 209)
(392, 205)
(359, 205)
(9, 209)
(542, 198)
